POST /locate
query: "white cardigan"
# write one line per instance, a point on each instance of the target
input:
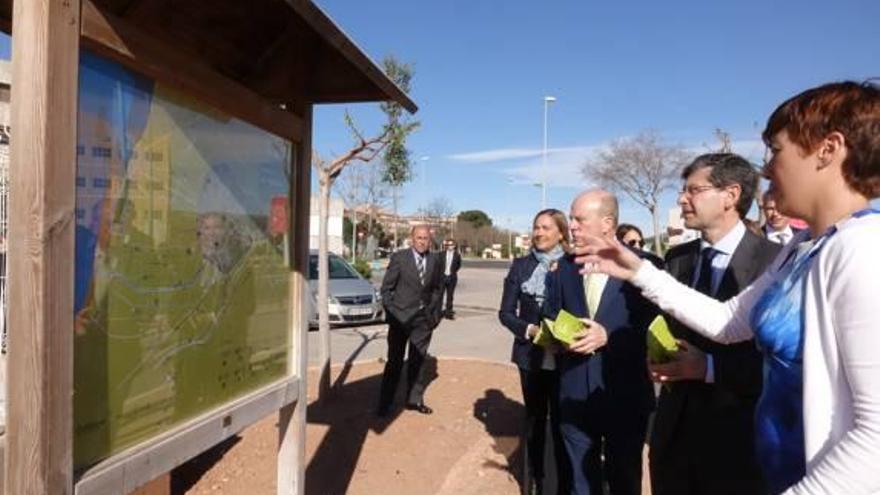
(841, 351)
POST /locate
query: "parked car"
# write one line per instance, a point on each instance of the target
(352, 298)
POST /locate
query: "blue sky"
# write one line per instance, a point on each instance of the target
(681, 67)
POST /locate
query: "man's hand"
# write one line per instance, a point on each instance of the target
(688, 363)
(590, 339)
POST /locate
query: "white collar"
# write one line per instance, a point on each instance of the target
(727, 244)
(771, 231)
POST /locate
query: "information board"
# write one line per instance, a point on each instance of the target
(181, 284)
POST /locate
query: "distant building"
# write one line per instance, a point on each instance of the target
(443, 227)
(678, 233)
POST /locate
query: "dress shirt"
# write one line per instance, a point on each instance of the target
(594, 286)
(417, 257)
(724, 252)
(450, 255)
(779, 236)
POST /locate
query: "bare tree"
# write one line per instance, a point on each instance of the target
(363, 149)
(725, 144)
(643, 168)
(437, 213)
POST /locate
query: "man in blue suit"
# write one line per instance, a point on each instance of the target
(605, 394)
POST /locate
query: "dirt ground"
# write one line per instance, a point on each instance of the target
(470, 445)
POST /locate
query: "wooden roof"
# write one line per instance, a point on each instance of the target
(277, 49)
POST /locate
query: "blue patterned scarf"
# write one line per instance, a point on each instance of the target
(535, 284)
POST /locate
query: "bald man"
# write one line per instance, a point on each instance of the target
(411, 293)
(605, 394)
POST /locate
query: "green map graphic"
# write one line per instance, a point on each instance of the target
(187, 301)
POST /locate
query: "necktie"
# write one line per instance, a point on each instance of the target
(704, 282)
(783, 238)
(421, 266)
(594, 294)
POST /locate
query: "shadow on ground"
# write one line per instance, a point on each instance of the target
(187, 475)
(349, 412)
(503, 419)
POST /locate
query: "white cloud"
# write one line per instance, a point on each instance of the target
(563, 168)
(498, 155)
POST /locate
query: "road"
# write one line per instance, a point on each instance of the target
(475, 333)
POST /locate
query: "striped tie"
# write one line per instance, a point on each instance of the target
(421, 266)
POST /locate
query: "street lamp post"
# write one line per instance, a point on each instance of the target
(547, 101)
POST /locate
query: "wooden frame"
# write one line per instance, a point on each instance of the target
(120, 41)
(45, 66)
(39, 438)
(134, 467)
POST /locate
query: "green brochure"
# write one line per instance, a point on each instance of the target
(661, 343)
(544, 337)
(563, 329)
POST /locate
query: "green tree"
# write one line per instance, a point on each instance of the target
(477, 218)
(397, 158)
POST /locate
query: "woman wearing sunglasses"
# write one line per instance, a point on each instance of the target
(630, 235)
(813, 313)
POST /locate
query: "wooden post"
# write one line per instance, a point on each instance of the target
(45, 62)
(292, 419)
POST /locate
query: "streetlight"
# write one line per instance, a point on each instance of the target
(547, 101)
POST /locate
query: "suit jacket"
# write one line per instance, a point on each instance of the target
(456, 263)
(518, 310)
(617, 373)
(402, 292)
(738, 368)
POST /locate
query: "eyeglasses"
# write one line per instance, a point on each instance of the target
(691, 191)
(635, 243)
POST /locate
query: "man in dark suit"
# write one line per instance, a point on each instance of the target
(703, 435)
(605, 394)
(411, 293)
(450, 261)
(777, 227)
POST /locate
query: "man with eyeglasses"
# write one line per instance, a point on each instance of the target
(703, 436)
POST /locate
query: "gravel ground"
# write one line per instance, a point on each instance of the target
(468, 446)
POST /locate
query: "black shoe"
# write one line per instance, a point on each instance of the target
(450, 316)
(420, 408)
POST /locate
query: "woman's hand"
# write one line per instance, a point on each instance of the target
(590, 339)
(531, 331)
(603, 255)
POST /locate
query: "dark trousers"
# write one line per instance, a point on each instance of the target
(618, 436)
(540, 389)
(710, 452)
(449, 283)
(417, 333)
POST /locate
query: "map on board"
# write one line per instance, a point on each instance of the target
(181, 288)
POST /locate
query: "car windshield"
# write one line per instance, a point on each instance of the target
(339, 268)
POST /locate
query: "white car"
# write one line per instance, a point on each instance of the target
(352, 298)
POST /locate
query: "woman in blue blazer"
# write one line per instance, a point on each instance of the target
(521, 302)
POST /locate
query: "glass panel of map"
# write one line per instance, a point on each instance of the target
(181, 284)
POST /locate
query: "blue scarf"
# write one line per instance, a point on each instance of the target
(535, 284)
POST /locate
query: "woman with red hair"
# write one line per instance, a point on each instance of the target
(814, 312)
